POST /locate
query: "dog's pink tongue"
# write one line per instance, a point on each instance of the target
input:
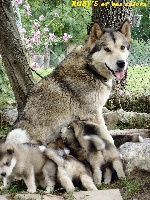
(119, 74)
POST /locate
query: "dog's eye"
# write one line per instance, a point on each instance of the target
(122, 47)
(107, 49)
(6, 163)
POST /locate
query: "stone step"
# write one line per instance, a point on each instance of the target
(111, 194)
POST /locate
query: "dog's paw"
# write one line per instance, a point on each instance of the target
(32, 190)
(49, 189)
(70, 188)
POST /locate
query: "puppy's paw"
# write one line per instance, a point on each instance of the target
(32, 190)
(70, 188)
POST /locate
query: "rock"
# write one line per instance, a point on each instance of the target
(134, 119)
(136, 156)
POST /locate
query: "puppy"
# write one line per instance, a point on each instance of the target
(99, 151)
(25, 161)
(68, 167)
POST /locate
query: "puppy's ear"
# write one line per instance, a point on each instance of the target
(125, 29)
(10, 150)
(96, 33)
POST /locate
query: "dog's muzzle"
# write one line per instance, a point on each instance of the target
(120, 73)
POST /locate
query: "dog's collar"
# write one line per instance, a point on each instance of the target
(90, 68)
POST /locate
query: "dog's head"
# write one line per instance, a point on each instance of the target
(109, 50)
(7, 160)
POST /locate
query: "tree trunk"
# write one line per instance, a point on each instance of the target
(13, 55)
(111, 15)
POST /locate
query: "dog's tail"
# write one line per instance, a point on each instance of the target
(52, 154)
(17, 136)
(96, 140)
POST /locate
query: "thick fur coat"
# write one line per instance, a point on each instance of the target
(79, 86)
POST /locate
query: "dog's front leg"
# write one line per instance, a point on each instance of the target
(103, 129)
(29, 180)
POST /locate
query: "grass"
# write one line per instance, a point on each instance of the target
(138, 80)
(127, 188)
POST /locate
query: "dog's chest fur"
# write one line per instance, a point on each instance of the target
(71, 91)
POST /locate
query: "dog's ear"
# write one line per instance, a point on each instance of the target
(125, 29)
(96, 33)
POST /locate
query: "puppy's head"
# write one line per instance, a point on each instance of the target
(109, 50)
(7, 160)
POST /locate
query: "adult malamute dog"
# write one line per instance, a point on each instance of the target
(79, 86)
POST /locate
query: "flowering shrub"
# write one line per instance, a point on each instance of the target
(40, 34)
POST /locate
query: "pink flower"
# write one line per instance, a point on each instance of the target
(46, 47)
(36, 35)
(36, 24)
(34, 64)
(23, 39)
(27, 41)
(56, 15)
(29, 46)
(27, 7)
(18, 2)
(32, 40)
(46, 29)
(66, 36)
(41, 17)
(22, 31)
(32, 54)
(51, 37)
(29, 13)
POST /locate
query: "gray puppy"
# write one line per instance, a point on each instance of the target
(26, 162)
(99, 150)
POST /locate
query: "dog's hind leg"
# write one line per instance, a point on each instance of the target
(118, 166)
(65, 180)
(107, 176)
(97, 175)
(29, 179)
(49, 172)
(87, 182)
(96, 160)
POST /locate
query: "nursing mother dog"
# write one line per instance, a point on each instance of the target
(78, 87)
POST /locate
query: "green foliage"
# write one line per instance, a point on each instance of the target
(139, 54)
(71, 20)
(138, 80)
(6, 94)
(142, 32)
(14, 188)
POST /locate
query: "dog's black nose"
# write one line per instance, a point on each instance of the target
(3, 174)
(121, 64)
